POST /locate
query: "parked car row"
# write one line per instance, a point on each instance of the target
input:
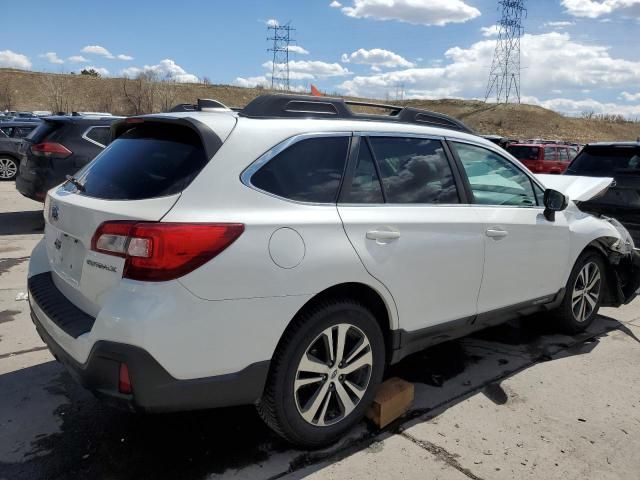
(543, 157)
(216, 258)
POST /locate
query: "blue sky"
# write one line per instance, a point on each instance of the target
(578, 55)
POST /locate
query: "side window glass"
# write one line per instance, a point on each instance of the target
(7, 131)
(365, 186)
(21, 132)
(550, 153)
(494, 179)
(564, 156)
(101, 135)
(414, 170)
(308, 171)
(539, 194)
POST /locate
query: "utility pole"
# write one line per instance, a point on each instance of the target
(504, 78)
(280, 35)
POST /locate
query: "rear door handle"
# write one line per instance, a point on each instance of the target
(383, 235)
(496, 233)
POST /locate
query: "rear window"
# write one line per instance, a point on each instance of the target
(523, 152)
(606, 161)
(42, 130)
(147, 161)
(308, 171)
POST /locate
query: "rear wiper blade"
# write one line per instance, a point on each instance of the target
(75, 182)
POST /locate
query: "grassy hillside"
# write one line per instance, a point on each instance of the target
(44, 91)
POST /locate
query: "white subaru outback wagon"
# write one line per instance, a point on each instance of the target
(285, 254)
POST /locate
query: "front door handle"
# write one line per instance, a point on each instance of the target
(383, 235)
(496, 233)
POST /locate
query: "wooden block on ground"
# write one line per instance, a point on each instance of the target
(393, 398)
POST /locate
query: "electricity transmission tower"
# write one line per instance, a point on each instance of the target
(280, 35)
(504, 79)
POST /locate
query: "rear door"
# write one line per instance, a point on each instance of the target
(412, 228)
(550, 162)
(525, 254)
(138, 177)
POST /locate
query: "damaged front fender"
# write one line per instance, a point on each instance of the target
(624, 267)
(623, 278)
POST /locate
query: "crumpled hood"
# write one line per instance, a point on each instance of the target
(578, 189)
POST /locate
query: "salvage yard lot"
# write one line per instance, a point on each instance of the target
(515, 401)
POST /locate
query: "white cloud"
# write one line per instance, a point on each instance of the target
(311, 69)
(52, 57)
(417, 12)
(335, 4)
(595, 9)
(122, 56)
(272, 22)
(101, 70)
(491, 31)
(166, 69)
(77, 59)
(570, 67)
(10, 59)
(97, 50)
(377, 57)
(252, 82)
(298, 49)
(631, 97)
(573, 107)
(558, 24)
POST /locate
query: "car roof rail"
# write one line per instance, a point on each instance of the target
(203, 105)
(305, 106)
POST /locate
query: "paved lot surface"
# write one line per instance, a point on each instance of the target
(517, 401)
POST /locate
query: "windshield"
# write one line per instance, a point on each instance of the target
(606, 161)
(523, 152)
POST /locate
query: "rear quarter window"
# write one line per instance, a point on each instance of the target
(308, 171)
(147, 161)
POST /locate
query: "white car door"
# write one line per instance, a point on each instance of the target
(525, 254)
(405, 217)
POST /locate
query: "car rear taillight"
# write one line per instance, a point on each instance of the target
(50, 150)
(163, 251)
(124, 380)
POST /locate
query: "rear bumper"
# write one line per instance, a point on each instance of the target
(33, 186)
(154, 389)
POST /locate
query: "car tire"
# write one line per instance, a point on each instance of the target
(8, 168)
(583, 294)
(304, 399)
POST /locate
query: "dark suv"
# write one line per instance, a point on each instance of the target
(620, 160)
(11, 135)
(58, 147)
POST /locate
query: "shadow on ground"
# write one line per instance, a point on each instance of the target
(94, 441)
(21, 223)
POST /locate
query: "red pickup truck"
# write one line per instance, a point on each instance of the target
(544, 157)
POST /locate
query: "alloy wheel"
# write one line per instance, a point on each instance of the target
(8, 168)
(586, 292)
(333, 375)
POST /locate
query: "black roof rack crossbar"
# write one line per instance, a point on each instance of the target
(304, 106)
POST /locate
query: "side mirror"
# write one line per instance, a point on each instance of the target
(554, 201)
